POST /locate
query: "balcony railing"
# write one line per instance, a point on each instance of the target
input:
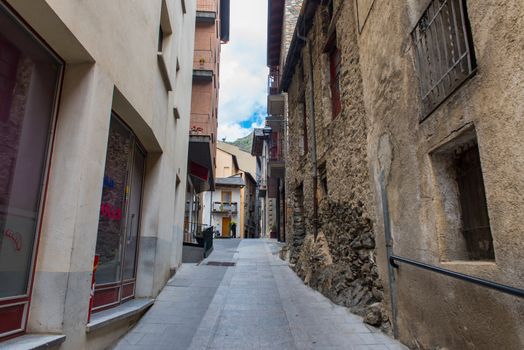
(201, 235)
(275, 147)
(225, 207)
(273, 81)
(207, 5)
(204, 60)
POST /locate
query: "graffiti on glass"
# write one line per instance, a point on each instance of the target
(14, 237)
(110, 212)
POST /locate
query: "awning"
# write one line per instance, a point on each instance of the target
(200, 163)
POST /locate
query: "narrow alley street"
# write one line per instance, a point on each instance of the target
(258, 303)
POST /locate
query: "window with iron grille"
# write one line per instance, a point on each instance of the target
(475, 219)
(444, 51)
(334, 70)
(465, 232)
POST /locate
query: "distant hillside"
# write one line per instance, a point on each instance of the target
(244, 143)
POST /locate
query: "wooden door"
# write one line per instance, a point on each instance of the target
(225, 227)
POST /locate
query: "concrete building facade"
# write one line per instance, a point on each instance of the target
(398, 114)
(95, 111)
(212, 30)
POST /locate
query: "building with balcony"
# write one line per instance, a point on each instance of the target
(94, 118)
(234, 198)
(211, 31)
(260, 150)
(282, 17)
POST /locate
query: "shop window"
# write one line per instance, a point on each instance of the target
(444, 51)
(119, 222)
(466, 234)
(29, 81)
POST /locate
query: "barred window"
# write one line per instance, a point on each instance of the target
(444, 51)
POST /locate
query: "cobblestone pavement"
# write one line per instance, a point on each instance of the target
(257, 304)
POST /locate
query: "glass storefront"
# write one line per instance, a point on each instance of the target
(118, 227)
(29, 81)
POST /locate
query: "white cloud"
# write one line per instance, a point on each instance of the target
(243, 75)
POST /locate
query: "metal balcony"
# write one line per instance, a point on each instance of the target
(225, 207)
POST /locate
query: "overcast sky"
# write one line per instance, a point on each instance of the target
(243, 71)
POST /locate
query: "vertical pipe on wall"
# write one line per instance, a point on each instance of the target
(389, 252)
(314, 169)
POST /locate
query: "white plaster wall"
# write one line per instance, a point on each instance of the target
(110, 54)
(216, 219)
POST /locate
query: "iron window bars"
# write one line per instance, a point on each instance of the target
(444, 51)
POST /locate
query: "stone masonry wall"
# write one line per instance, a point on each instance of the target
(341, 262)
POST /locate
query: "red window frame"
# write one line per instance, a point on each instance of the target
(14, 310)
(109, 295)
(334, 83)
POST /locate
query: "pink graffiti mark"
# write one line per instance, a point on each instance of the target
(15, 237)
(108, 211)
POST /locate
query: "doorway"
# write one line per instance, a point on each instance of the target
(225, 226)
(118, 227)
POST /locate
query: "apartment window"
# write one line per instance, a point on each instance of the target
(226, 196)
(29, 84)
(334, 74)
(474, 209)
(304, 132)
(466, 234)
(444, 51)
(119, 222)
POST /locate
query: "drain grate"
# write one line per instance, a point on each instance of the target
(220, 263)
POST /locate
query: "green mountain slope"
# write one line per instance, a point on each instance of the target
(244, 143)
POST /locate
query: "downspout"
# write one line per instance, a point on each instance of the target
(389, 253)
(314, 170)
(211, 209)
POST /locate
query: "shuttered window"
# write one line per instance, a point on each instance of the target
(443, 50)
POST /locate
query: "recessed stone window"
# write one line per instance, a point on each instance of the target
(462, 211)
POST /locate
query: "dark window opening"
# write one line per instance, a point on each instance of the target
(472, 197)
(322, 178)
(160, 46)
(444, 51)
(304, 135)
(330, 9)
(334, 70)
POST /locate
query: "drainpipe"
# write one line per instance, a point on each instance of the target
(314, 169)
(389, 252)
(211, 208)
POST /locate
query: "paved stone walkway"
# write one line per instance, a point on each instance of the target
(257, 304)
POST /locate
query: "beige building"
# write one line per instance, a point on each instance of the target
(94, 120)
(233, 201)
(404, 165)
